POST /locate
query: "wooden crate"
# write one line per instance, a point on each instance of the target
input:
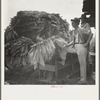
(57, 67)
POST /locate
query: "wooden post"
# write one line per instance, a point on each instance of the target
(39, 71)
(56, 71)
(72, 62)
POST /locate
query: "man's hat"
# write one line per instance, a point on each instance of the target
(76, 20)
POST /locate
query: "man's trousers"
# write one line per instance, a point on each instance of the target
(81, 51)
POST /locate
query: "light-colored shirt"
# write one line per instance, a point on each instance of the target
(81, 35)
(86, 26)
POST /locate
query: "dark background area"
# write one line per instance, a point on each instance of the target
(89, 9)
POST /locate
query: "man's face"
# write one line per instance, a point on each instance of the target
(82, 20)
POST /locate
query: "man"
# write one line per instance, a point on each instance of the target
(85, 25)
(78, 45)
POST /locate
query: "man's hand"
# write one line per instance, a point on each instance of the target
(68, 45)
(88, 41)
(86, 44)
(71, 43)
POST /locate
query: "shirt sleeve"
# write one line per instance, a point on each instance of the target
(87, 26)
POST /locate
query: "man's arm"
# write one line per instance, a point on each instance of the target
(72, 37)
(90, 35)
(72, 42)
(89, 39)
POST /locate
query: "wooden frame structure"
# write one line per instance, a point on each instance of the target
(57, 67)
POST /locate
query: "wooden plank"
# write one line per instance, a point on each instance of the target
(46, 81)
(59, 66)
(56, 71)
(48, 67)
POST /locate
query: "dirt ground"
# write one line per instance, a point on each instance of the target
(32, 79)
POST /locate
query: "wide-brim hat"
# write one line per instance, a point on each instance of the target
(76, 20)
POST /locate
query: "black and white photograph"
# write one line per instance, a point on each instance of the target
(49, 43)
(41, 48)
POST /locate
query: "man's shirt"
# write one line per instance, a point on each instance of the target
(81, 35)
(86, 26)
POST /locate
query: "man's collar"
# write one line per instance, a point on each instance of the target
(83, 24)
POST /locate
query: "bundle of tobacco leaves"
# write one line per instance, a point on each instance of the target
(22, 31)
(16, 53)
(32, 23)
